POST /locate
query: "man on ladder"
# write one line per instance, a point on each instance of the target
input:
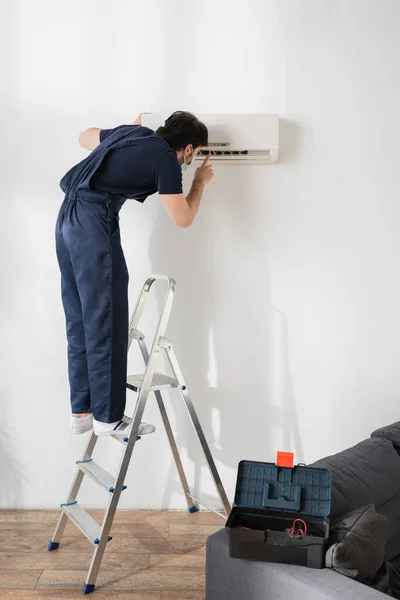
(129, 161)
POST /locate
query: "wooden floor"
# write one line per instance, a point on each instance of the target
(154, 555)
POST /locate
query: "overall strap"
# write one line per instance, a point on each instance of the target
(83, 171)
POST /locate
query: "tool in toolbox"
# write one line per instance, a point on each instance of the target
(143, 384)
(280, 513)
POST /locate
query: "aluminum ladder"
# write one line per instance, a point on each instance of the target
(151, 381)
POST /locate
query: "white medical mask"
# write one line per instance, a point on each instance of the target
(186, 166)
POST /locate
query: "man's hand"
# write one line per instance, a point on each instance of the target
(205, 173)
(183, 210)
(138, 120)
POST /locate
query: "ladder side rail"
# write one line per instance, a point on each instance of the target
(199, 431)
(170, 435)
(73, 492)
(112, 507)
(143, 297)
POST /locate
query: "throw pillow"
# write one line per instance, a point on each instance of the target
(357, 543)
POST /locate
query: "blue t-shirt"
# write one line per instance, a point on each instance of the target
(136, 171)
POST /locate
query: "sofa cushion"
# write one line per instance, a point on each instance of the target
(368, 473)
(236, 579)
(390, 433)
(357, 543)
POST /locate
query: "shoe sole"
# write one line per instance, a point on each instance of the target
(81, 432)
(120, 433)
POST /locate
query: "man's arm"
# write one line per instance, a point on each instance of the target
(183, 210)
(90, 138)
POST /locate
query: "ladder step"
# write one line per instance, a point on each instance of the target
(98, 474)
(160, 382)
(84, 522)
(120, 439)
(124, 439)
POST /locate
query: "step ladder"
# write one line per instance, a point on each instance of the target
(151, 381)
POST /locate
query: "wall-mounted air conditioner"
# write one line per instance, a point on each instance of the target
(235, 139)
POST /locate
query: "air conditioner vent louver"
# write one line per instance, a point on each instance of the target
(222, 152)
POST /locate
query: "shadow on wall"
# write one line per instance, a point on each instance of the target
(11, 468)
(290, 141)
(221, 328)
(283, 413)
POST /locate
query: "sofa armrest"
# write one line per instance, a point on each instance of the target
(232, 579)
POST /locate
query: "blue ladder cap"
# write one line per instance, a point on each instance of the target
(97, 540)
(193, 509)
(53, 545)
(88, 588)
(184, 387)
(112, 490)
(69, 504)
(78, 462)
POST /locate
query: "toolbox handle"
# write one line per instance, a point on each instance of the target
(289, 497)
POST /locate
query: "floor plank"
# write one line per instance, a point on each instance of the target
(177, 545)
(25, 530)
(129, 529)
(11, 594)
(191, 580)
(192, 560)
(71, 560)
(161, 517)
(43, 529)
(177, 529)
(18, 578)
(28, 516)
(11, 544)
(174, 595)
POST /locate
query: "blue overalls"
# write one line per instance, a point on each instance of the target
(94, 280)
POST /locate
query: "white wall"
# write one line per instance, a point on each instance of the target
(287, 317)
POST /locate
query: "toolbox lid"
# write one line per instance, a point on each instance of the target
(306, 490)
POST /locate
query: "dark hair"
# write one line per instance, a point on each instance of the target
(183, 128)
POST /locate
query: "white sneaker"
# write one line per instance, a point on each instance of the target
(120, 428)
(146, 428)
(81, 424)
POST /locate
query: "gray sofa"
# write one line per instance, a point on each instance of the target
(368, 473)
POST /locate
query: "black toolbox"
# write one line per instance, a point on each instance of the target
(268, 501)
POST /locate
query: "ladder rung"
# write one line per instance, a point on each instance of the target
(160, 382)
(99, 475)
(84, 522)
(120, 439)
